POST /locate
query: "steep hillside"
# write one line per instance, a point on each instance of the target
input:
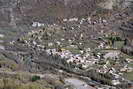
(15, 12)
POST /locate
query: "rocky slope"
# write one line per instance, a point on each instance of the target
(14, 12)
(127, 29)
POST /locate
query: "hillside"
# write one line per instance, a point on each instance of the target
(66, 44)
(15, 12)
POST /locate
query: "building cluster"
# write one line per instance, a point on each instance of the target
(89, 20)
(86, 58)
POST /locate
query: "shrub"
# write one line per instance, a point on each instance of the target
(35, 78)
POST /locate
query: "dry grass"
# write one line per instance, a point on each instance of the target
(8, 64)
(8, 83)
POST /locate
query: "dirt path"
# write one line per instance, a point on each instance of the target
(15, 73)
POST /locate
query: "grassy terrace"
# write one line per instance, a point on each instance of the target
(129, 76)
(10, 83)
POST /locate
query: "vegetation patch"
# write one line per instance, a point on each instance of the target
(35, 78)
